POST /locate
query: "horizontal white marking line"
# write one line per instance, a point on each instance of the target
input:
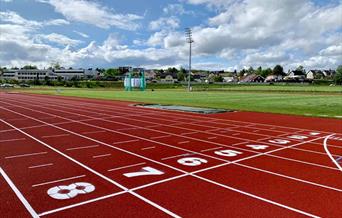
(133, 140)
(148, 148)
(133, 165)
(19, 195)
(213, 137)
(83, 147)
(159, 137)
(42, 165)
(170, 157)
(183, 142)
(11, 140)
(188, 133)
(59, 180)
(53, 136)
(81, 203)
(210, 149)
(101, 155)
(93, 132)
(130, 128)
(25, 155)
(236, 134)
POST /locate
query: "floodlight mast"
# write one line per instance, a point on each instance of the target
(188, 33)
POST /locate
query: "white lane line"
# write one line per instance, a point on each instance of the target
(93, 132)
(81, 203)
(148, 148)
(39, 166)
(170, 157)
(188, 133)
(25, 155)
(19, 195)
(325, 145)
(255, 196)
(260, 154)
(83, 147)
(53, 136)
(128, 128)
(210, 149)
(159, 137)
(183, 142)
(122, 142)
(213, 137)
(288, 177)
(236, 134)
(59, 180)
(12, 140)
(101, 155)
(128, 166)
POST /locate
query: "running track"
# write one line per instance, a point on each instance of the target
(72, 157)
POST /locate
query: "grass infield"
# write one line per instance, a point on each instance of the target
(298, 100)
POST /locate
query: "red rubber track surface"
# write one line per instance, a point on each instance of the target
(75, 157)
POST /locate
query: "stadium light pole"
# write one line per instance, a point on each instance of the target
(188, 33)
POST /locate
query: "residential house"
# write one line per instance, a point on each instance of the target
(274, 78)
(329, 73)
(230, 79)
(252, 78)
(167, 77)
(150, 75)
(315, 74)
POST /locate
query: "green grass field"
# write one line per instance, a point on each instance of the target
(300, 100)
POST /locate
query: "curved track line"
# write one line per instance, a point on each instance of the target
(328, 152)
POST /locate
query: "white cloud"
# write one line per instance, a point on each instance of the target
(164, 23)
(58, 39)
(176, 9)
(334, 50)
(14, 18)
(93, 13)
(81, 34)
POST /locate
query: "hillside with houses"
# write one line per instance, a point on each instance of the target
(51, 76)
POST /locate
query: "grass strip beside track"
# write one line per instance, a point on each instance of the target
(315, 103)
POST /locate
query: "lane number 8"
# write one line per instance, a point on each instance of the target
(63, 192)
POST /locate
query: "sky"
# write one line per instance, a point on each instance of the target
(228, 34)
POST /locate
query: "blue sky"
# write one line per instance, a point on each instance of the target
(228, 34)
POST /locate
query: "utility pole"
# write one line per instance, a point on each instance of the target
(188, 33)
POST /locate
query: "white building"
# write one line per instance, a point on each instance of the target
(27, 74)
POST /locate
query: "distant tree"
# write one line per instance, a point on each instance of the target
(258, 71)
(278, 70)
(56, 66)
(301, 68)
(218, 78)
(242, 73)
(112, 72)
(180, 76)
(266, 72)
(30, 67)
(338, 75)
(250, 70)
(172, 70)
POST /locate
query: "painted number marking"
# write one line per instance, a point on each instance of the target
(64, 192)
(300, 137)
(145, 171)
(228, 153)
(192, 161)
(279, 141)
(258, 147)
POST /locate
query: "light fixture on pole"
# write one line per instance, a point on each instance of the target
(188, 33)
